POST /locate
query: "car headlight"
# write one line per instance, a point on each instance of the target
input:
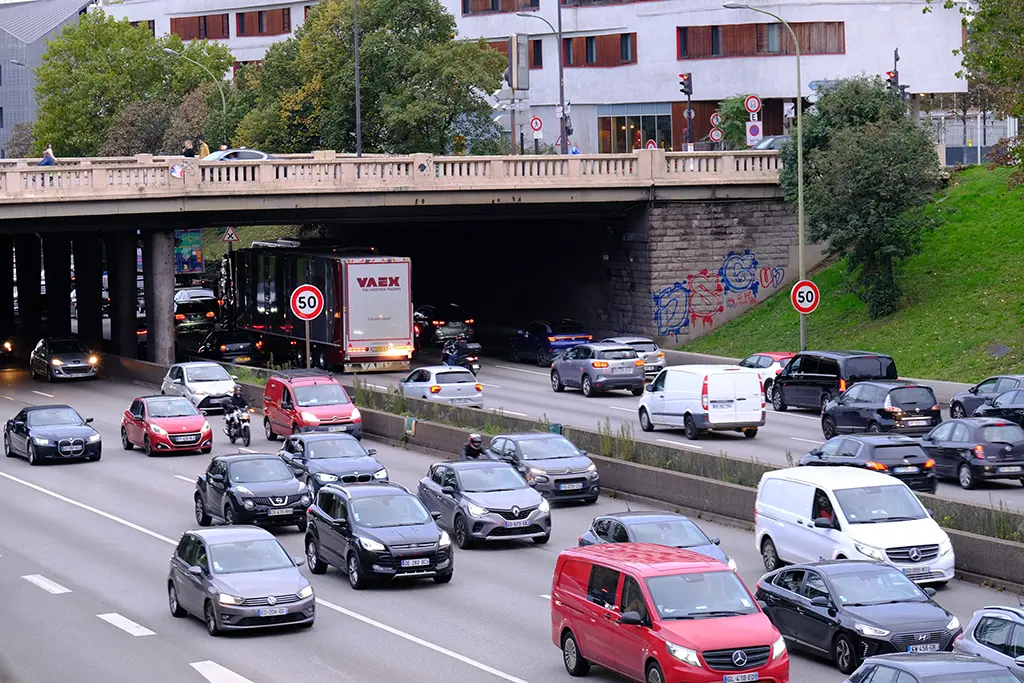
(953, 624)
(157, 429)
(732, 564)
(226, 599)
(683, 654)
(870, 631)
(199, 396)
(7, 346)
(778, 648)
(382, 473)
(476, 510)
(40, 442)
(244, 490)
(306, 500)
(248, 504)
(305, 592)
(56, 361)
(356, 415)
(592, 468)
(545, 506)
(94, 438)
(325, 478)
(206, 426)
(446, 540)
(945, 548)
(371, 545)
(93, 360)
(873, 553)
(536, 472)
(308, 417)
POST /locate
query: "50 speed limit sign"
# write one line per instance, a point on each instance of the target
(307, 302)
(805, 296)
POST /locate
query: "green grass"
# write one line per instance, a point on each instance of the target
(964, 292)
(214, 245)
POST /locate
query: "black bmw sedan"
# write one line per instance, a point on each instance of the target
(250, 489)
(51, 432)
(893, 454)
(326, 458)
(848, 610)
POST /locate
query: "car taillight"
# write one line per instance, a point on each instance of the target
(704, 394)
(210, 314)
(929, 464)
(935, 407)
(551, 339)
(877, 466)
(479, 387)
(888, 406)
(220, 302)
(589, 337)
(762, 395)
(140, 332)
(435, 389)
(472, 358)
(223, 348)
(639, 363)
(600, 364)
(259, 344)
(437, 322)
(179, 316)
(979, 452)
(842, 385)
(468, 322)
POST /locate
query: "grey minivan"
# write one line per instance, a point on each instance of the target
(597, 367)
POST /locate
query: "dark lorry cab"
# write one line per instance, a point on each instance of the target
(813, 378)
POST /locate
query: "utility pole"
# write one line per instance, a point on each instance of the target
(355, 54)
(512, 122)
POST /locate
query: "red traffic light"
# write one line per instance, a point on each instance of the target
(685, 77)
(890, 74)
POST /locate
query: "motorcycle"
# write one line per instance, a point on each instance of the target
(450, 357)
(237, 427)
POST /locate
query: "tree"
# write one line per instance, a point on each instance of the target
(867, 166)
(734, 121)
(993, 51)
(137, 129)
(189, 119)
(19, 145)
(97, 66)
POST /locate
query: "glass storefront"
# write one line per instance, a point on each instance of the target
(625, 127)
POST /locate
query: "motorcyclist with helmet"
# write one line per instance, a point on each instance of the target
(455, 349)
(234, 406)
(474, 448)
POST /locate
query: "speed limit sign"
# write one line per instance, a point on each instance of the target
(805, 296)
(307, 302)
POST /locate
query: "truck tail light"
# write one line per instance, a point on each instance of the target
(842, 385)
(600, 364)
(435, 389)
(876, 466)
(704, 394)
(979, 452)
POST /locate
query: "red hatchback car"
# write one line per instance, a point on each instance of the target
(164, 424)
(661, 615)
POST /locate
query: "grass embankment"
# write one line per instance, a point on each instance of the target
(214, 245)
(964, 294)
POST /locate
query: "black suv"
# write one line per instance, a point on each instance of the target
(376, 531)
(813, 378)
(894, 454)
(881, 407)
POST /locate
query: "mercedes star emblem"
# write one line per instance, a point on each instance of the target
(739, 658)
(515, 511)
(271, 600)
(915, 555)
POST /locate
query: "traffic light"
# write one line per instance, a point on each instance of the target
(892, 79)
(686, 84)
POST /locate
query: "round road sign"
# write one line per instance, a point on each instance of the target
(536, 123)
(716, 119)
(805, 296)
(752, 103)
(307, 302)
(715, 135)
(651, 145)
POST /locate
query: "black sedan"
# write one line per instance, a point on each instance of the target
(894, 454)
(232, 346)
(965, 403)
(250, 489)
(1008, 405)
(51, 432)
(848, 610)
(322, 458)
(976, 448)
(932, 667)
(881, 406)
(664, 528)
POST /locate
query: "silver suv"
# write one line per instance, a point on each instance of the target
(997, 634)
(598, 367)
(648, 350)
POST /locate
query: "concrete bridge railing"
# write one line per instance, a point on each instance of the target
(147, 176)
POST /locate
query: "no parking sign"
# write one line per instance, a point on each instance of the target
(754, 133)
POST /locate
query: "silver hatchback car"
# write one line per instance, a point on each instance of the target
(648, 350)
(598, 367)
(444, 384)
(994, 634)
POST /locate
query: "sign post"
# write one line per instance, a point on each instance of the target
(752, 104)
(307, 303)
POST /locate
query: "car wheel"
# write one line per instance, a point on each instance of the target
(7, 446)
(587, 385)
(147, 447)
(541, 362)
(462, 538)
(828, 427)
(303, 523)
(571, 657)
(654, 674)
(591, 501)
(355, 575)
(444, 578)
(966, 476)
(637, 391)
(750, 433)
(125, 443)
(172, 601)
(541, 540)
(690, 427)
(768, 390)
(778, 402)
(229, 515)
(645, 421)
(556, 382)
(268, 430)
(94, 458)
(313, 561)
(770, 555)
(49, 375)
(825, 398)
(33, 459)
(513, 354)
(957, 411)
(844, 655)
(202, 519)
(873, 428)
(210, 617)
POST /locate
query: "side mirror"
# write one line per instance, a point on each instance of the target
(520, 332)
(1019, 661)
(927, 437)
(340, 523)
(299, 561)
(372, 451)
(823, 523)
(649, 388)
(819, 601)
(195, 571)
(235, 377)
(762, 604)
(436, 514)
(973, 390)
(176, 381)
(217, 477)
(19, 424)
(88, 420)
(448, 490)
(716, 540)
(930, 592)
(631, 619)
(582, 452)
(816, 452)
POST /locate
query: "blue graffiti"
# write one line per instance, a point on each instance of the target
(672, 309)
(739, 272)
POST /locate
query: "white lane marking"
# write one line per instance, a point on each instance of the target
(628, 410)
(419, 641)
(546, 597)
(178, 476)
(492, 386)
(126, 624)
(508, 412)
(804, 417)
(51, 587)
(42, 393)
(529, 372)
(89, 508)
(215, 673)
(797, 438)
(680, 443)
(247, 450)
(9, 398)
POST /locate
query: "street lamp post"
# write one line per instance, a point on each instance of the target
(18, 62)
(561, 71)
(799, 153)
(355, 56)
(218, 81)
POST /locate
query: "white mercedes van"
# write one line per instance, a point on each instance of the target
(700, 398)
(805, 514)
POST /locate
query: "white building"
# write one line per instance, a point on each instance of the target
(623, 59)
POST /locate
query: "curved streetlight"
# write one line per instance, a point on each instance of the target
(799, 152)
(18, 62)
(561, 71)
(218, 81)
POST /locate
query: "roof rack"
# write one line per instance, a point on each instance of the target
(303, 372)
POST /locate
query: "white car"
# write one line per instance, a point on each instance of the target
(443, 384)
(767, 366)
(804, 514)
(205, 384)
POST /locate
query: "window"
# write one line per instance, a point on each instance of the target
(435, 474)
(626, 47)
(632, 598)
(240, 24)
(987, 386)
(286, 20)
(1, 117)
(618, 533)
(754, 40)
(814, 586)
(822, 506)
(716, 41)
(261, 22)
(790, 580)
(772, 34)
(622, 128)
(681, 41)
(151, 25)
(943, 431)
(994, 633)
(604, 582)
(567, 53)
(601, 529)
(305, 10)
(851, 448)
(202, 27)
(448, 478)
(591, 49)
(536, 54)
(1006, 383)
(495, 5)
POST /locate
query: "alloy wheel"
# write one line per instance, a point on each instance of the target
(569, 653)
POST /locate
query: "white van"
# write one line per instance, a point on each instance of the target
(699, 398)
(805, 514)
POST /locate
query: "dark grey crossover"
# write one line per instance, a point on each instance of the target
(250, 489)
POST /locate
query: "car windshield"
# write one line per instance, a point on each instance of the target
(200, 294)
(616, 354)
(967, 677)
(871, 367)
(321, 395)
(487, 479)
(455, 378)
(874, 504)
(875, 586)
(1003, 433)
(568, 328)
(171, 407)
(68, 346)
(897, 453)
(700, 595)
(912, 397)
(548, 448)
(259, 470)
(207, 373)
(383, 511)
(48, 417)
(681, 533)
(339, 447)
(644, 347)
(248, 556)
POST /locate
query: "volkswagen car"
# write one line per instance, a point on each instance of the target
(165, 424)
(51, 432)
(325, 458)
(63, 358)
(250, 489)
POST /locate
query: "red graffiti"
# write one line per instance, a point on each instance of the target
(705, 297)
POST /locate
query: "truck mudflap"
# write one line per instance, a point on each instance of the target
(378, 366)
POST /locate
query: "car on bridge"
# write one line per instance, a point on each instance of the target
(51, 432)
(541, 341)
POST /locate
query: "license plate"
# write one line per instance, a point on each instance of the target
(517, 524)
(272, 611)
(422, 562)
(740, 678)
(916, 423)
(1009, 470)
(905, 470)
(279, 512)
(460, 400)
(916, 571)
(622, 371)
(927, 647)
(338, 429)
(570, 487)
(243, 359)
(721, 404)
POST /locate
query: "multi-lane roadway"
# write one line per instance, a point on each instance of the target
(84, 554)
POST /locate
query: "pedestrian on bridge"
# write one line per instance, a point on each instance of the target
(188, 150)
(204, 149)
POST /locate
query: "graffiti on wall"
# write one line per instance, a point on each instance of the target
(702, 296)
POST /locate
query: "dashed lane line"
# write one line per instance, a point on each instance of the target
(625, 410)
(797, 438)
(529, 372)
(126, 624)
(681, 444)
(508, 412)
(46, 584)
(178, 476)
(215, 673)
(42, 393)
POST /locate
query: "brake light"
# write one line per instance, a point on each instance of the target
(762, 395)
(551, 339)
(416, 328)
(223, 348)
(479, 387)
(437, 322)
(659, 354)
(979, 452)
(468, 322)
(259, 344)
(640, 363)
(179, 316)
(888, 406)
(877, 466)
(435, 389)
(842, 385)
(935, 407)
(220, 302)
(589, 337)
(600, 363)
(704, 394)
(140, 332)
(472, 358)
(210, 314)
(930, 464)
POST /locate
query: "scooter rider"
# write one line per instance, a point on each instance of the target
(473, 450)
(455, 349)
(235, 405)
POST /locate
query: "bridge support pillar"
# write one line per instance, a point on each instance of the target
(29, 264)
(158, 268)
(57, 263)
(124, 304)
(7, 322)
(89, 289)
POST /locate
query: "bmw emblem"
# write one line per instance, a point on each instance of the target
(515, 511)
(915, 555)
(271, 600)
(739, 658)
